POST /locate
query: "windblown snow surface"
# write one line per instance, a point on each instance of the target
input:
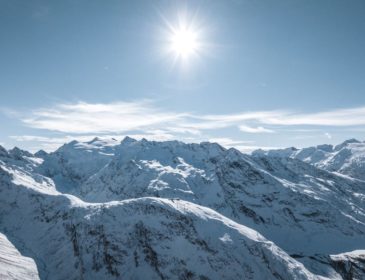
(170, 210)
(13, 265)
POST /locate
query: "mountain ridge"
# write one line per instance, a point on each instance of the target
(347, 158)
(303, 209)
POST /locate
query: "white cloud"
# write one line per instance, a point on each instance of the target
(100, 118)
(9, 113)
(303, 137)
(121, 117)
(153, 137)
(183, 130)
(249, 149)
(339, 117)
(228, 142)
(26, 138)
(328, 135)
(243, 146)
(226, 120)
(143, 119)
(259, 129)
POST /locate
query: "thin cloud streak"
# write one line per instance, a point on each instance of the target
(120, 117)
(259, 129)
(143, 119)
(249, 149)
(243, 146)
(117, 117)
(339, 117)
(228, 142)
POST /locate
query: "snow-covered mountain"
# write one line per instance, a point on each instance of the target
(76, 161)
(347, 158)
(285, 199)
(13, 265)
(105, 210)
(156, 238)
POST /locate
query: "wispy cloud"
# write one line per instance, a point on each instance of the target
(226, 120)
(228, 142)
(10, 113)
(100, 118)
(251, 148)
(144, 119)
(120, 117)
(243, 146)
(258, 129)
(338, 117)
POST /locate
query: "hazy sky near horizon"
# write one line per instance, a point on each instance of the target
(260, 73)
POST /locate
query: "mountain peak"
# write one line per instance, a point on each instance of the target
(3, 151)
(325, 147)
(345, 143)
(351, 140)
(95, 139)
(128, 140)
(41, 154)
(17, 152)
(72, 143)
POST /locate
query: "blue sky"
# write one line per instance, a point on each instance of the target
(266, 74)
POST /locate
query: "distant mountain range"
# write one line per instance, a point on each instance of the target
(347, 158)
(168, 210)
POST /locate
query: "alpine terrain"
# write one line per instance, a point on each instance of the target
(106, 209)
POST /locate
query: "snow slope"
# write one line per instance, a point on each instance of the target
(303, 209)
(13, 265)
(140, 208)
(161, 238)
(76, 161)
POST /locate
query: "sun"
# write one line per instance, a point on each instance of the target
(184, 42)
(184, 39)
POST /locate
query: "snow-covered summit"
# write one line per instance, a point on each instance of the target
(76, 161)
(20, 158)
(347, 158)
(3, 151)
(166, 150)
(19, 153)
(93, 196)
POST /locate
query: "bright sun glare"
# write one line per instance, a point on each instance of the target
(184, 42)
(184, 37)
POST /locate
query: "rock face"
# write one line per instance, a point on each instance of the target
(350, 265)
(106, 210)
